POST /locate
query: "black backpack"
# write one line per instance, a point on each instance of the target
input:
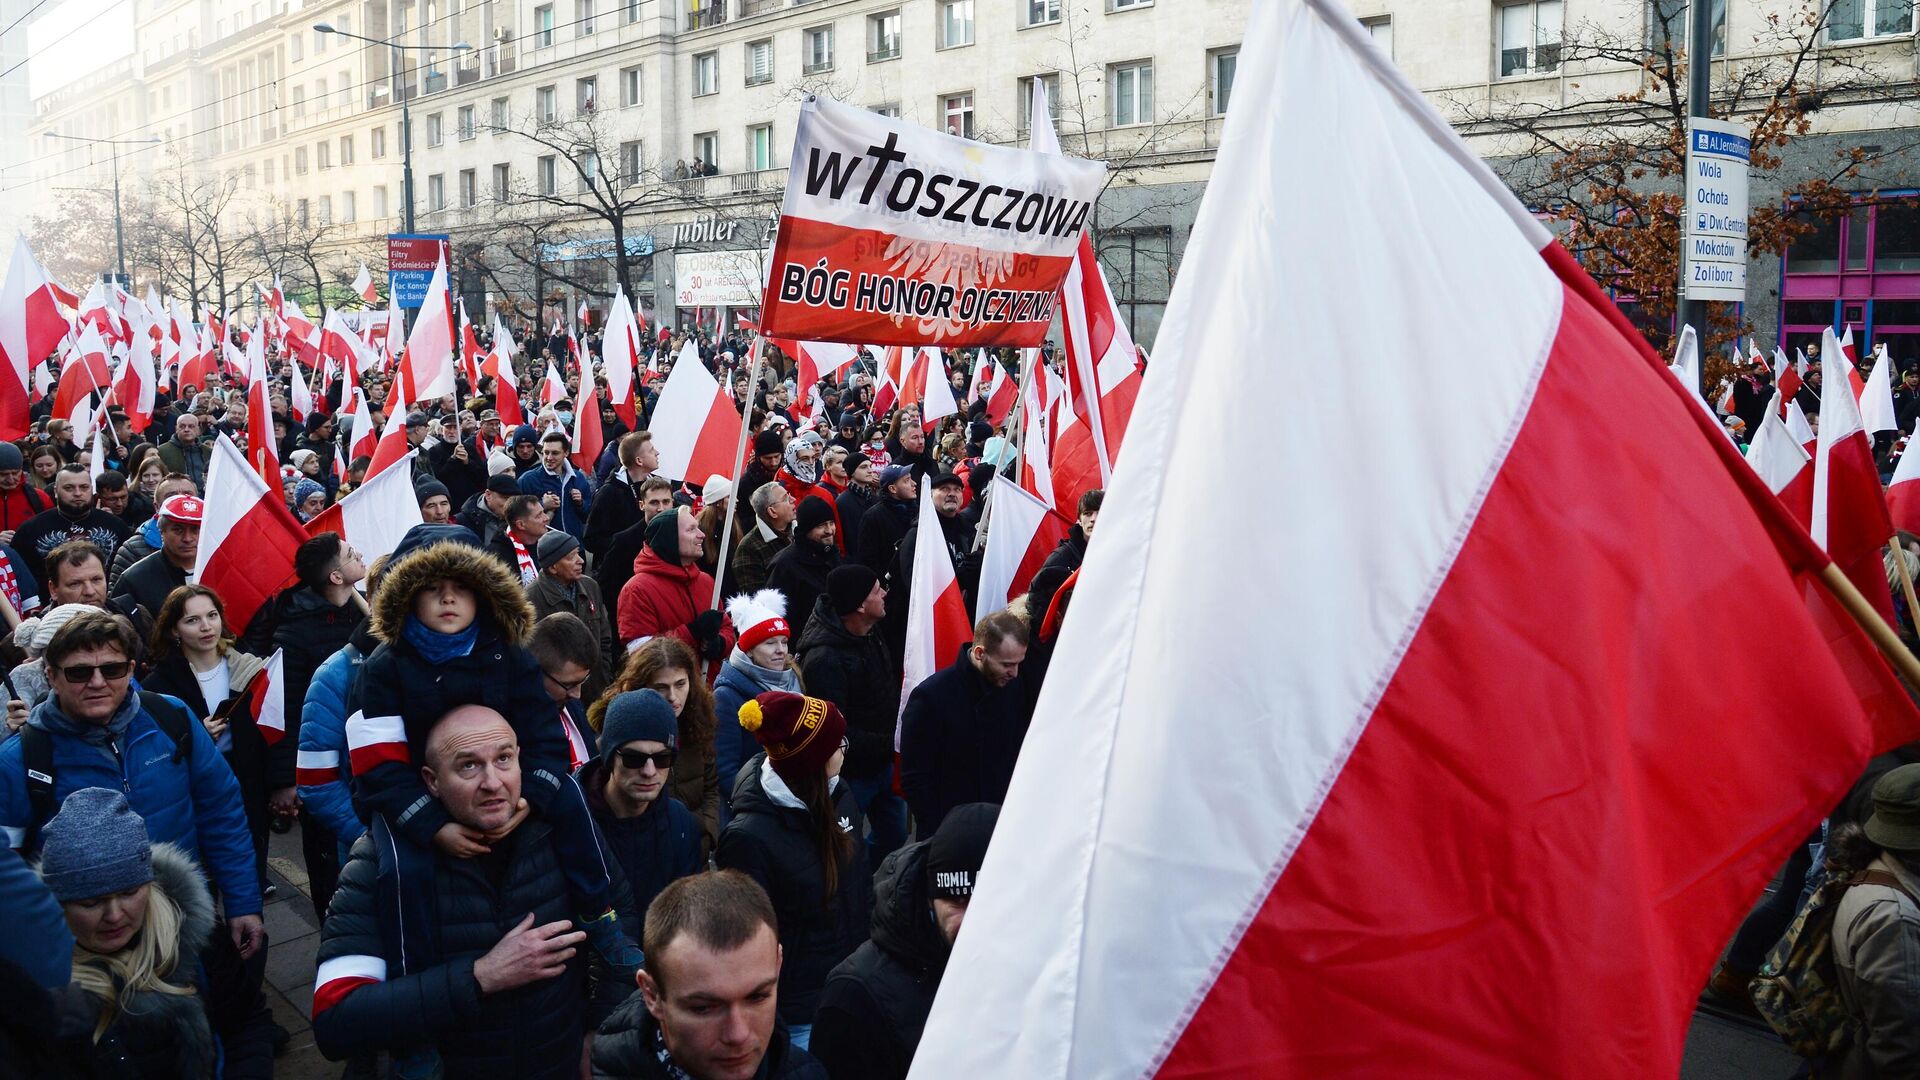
(36, 753)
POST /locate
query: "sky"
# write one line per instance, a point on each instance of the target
(72, 38)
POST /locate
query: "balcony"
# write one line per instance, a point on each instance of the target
(890, 52)
(705, 18)
(752, 8)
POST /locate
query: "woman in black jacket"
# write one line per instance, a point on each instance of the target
(795, 830)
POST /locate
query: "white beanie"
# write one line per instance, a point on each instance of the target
(499, 461)
(34, 634)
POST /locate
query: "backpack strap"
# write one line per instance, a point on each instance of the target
(1864, 877)
(36, 754)
(173, 720)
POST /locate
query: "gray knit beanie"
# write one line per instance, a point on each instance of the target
(635, 716)
(95, 846)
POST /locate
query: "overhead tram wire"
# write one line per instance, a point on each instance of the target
(89, 21)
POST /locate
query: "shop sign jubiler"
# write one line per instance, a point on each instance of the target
(895, 234)
(1715, 235)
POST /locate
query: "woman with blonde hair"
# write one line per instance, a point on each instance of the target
(140, 915)
(667, 666)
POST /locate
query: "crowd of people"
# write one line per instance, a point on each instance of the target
(561, 813)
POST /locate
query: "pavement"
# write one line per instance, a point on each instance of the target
(1720, 1046)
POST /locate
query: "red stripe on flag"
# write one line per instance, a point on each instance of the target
(255, 559)
(364, 758)
(1608, 868)
(330, 993)
(315, 777)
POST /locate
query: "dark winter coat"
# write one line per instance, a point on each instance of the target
(307, 630)
(153, 1035)
(616, 506)
(753, 558)
(656, 849)
(959, 739)
(629, 1043)
(189, 458)
(772, 842)
(800, 573)
(881, 529)
(857, 674)
(499, 672)
(851, 507)
(485, 524)
(527, 1032)
(149, 581)
(47, 531)
(875, 1004)
(615, 569)
(570, 517)
(585, 603)
(1070, 552)
(144, 541)
(463, 479)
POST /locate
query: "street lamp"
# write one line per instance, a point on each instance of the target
(406, 113)
(119, 229)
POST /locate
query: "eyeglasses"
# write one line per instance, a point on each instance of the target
(637, 760)
(82, 674)
(569, 687)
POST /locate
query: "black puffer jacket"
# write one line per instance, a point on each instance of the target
(800, 573)
(858, 675)
(772, 843)
(629, 1048)
(529, 1031)
(875, 1004)
(150, 581)
(881, 529)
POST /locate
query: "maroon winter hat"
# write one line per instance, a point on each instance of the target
(799, 733)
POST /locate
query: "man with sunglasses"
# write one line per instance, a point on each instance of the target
(655, 840)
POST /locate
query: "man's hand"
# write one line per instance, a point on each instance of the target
(550, 501)
(284, 802)
(576, 495)
(16, 714)
(463, 842)
(249, 934)
(216, 726)
(6, 537)
(528, 954)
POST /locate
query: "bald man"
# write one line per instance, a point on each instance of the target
(507, 994)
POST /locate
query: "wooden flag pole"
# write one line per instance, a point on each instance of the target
(1906, 579)
(1883, 636)
(739, 453)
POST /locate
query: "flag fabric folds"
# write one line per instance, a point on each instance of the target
(936, 613)
(247, 535)
(1022, 532)
(1483, 840)
(374, 516)
(694, 425)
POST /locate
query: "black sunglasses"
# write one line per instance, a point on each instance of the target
(82, 674)
(637, 760)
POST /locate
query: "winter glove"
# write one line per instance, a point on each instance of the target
(705, 625)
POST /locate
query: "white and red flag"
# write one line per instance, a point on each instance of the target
(1480, 808)
(267, 699)
(299, 394)
(364, 288)
(1853, 361)
(1021, 532)
(262, 454)
(936, 611)
(553, 389)
(392, 447)
(374, 516)
(1800, 428)
(928, 389)
(695, 427)
(1876, 400)
(620, 358)
(1785, 465)
(499, 365)
(587, 438)
(897, 234)
(1849, 509)
(85, 371)
(31, 326)
(1903, 491)
(1001, 392)
(1786, 374)
(136, 384)
(426, 372)
(247, 535)
(818, 360)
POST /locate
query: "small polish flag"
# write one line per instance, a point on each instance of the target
(1002, 391)
(269, 699)
(1853, 360)
(376, 515)
(392, 447)
(586, 438)
(1903, 492)
(936, 611)
(1800, 429)
(247, 535)
(1849, 509)
(818, 360)
(1021, 532)
(499, 365)
(1686, 369)
(620, 357)
(136, 385)
(363, 286)
(553, 389)
(1785, 376)
(31, 326)
(1783, 463)
(1876, 400)
(695, 428)
(362, 441)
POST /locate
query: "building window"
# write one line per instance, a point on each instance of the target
(1041, 13)
(1127, 5)
(891, 108)
(589, 170)
(435, 134)
(502, 181)
(1025, 104)
(343, 89)
(468, 189)
(467, 128)
(706, 150)
(586, 94)
(436, 192)
(299, 102)
(633, 10)
(348, 213)
(956, 113)
(546, 104)
(759, 62)
(1860, 268)
(883, 36)
(543, 26)
(346, 149)
(1380, 29)
(323, 155)
(326, 210)
(1529, 37)
(1669, 26)
(760, 147)
(295, 45)
(549, 175)
(630, 162)
(585, 17)
(299, 161)
(706, 74)
(956, 23)
(378, 141)
(1220, 67)
(300, 213)
(629, 87)
(1849, 20)
(499, 114)
(380, 201)
(1132, 93)
(818, 46)
(319, 42)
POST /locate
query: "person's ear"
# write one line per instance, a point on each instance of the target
(650, 993)
(428, 778)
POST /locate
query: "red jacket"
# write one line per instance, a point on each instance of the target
(18, 505)
(662, 598)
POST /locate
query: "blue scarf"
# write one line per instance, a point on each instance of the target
(435, 647)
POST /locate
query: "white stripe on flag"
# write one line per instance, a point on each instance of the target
(351, 967)
(364, 731)
(317, 759)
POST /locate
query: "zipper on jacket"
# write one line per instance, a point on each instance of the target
(126, 783)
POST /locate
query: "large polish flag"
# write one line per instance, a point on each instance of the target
(247, 535)
(1433, 820)
(261, 452)
(1785, 465)
(695, 428)
(376, 515)
(936, 611)
(1850, 518)
(31, 327)
(1903, 491)
(1021, 532)
(426, 371)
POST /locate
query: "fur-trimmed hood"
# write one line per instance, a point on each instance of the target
(176, 874)
(500, 596)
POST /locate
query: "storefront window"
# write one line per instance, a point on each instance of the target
(1860, 268)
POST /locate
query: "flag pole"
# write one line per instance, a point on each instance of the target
(1906, 579)
(1882, 635)
(739, 452)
